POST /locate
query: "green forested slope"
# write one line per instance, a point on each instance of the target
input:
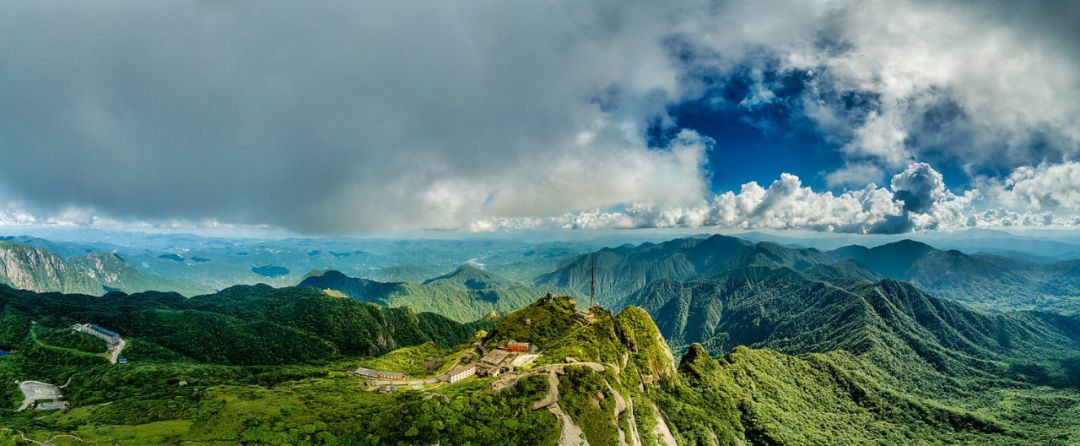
(987, 281)
(240, 325)
(115, 274)
(784, 310)
(626, 269)
(466, 294)
(877, 363)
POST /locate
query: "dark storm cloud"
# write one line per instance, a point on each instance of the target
(336, 116)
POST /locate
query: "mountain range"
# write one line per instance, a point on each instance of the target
(241, 325)
(814, 362)
(987, 281)
(901, 343)
(626, 269)
(465, 294)
(36, 269)
(790, 312)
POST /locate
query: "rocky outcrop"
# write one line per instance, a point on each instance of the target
(29, 268)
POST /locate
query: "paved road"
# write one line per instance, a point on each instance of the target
(512, 378)
(114, 353)
(418, 382)
(552, 394)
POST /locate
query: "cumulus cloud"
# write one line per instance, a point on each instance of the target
(982, 84)
(1045, 187)
(356, 117)
(919, 187)
(917, 200)
(856, 174)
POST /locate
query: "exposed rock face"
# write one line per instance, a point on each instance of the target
(29, 268)
(571, 434)
(102, 267)
(662, 432)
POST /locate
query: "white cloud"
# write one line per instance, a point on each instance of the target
(856, 174)
(988, 83)
(917, 200)
(919, 187)
(787, 204)
(15, 217)
(1045, 187)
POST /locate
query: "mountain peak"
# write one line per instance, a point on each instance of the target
(626, 341)
(890, 260)
(695, 352)
(908, 244)
(472, 277)
(327, 274)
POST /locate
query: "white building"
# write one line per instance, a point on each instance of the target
(461, 373)
(110, 337)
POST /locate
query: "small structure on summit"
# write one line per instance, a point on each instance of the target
(585, 316)
(506, 358)
(552, 296)
(495, 362)
(521, 347)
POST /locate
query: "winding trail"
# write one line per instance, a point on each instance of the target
(552, 395)
(621, 405)
(511, 379)
(46, 442)
(570, 434)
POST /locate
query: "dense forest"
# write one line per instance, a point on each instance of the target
(243, 325)
(829, 353)
(465, 294)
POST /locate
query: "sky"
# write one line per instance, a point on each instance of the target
(338, 118)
